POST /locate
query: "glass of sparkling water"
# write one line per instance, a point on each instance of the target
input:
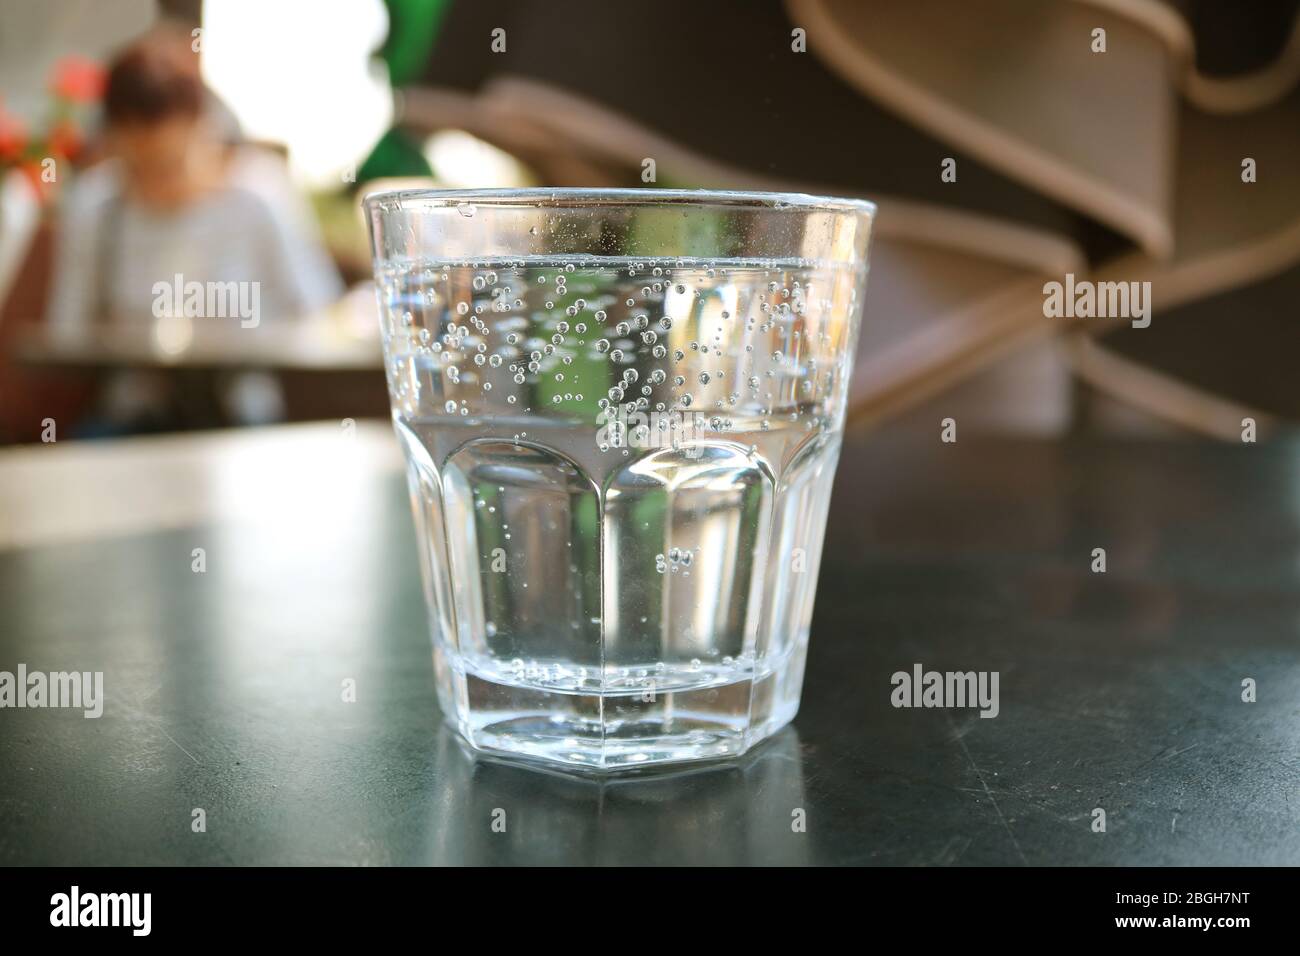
(621, 412)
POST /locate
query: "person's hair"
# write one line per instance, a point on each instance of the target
(154, 79)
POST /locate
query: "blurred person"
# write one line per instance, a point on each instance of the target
(177, 196)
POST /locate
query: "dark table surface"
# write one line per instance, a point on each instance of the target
(1119, 690)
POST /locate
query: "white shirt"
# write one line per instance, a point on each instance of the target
(256, 228)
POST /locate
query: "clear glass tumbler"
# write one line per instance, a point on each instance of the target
(621, 412)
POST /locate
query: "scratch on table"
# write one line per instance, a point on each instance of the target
(983, 783)
(1167, 752)
(135, 709)
(952, 851)
(1178, 752)
(178, 746)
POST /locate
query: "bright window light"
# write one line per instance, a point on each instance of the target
(300, 72)
(462, 161)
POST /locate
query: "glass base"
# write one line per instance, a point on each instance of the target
(688, 715)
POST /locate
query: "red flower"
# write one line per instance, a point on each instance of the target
(13, 137)
(78, 79)
(65, 140)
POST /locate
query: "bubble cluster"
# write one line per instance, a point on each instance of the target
(752, 346)
(674, 561)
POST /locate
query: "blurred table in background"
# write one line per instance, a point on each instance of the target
(331, 365)
(307, 345)
(1119, 690)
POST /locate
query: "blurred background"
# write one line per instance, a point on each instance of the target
(230, 578)
(1009, 143)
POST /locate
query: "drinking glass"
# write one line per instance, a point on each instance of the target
(621, 411)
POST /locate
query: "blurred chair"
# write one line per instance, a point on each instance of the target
(1124, 165)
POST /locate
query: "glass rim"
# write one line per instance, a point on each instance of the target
(566, 197)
